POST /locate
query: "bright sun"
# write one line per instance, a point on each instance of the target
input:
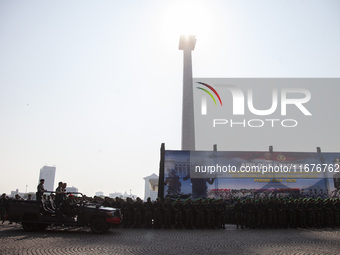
(187, 17)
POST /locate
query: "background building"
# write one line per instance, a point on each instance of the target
(151, 187)
(99, 194)
(48, 173)
(71, 189)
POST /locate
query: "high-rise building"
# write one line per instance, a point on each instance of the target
(48, 173)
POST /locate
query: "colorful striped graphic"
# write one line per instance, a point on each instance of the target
(212, 89)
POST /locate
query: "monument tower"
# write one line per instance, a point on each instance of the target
(187, 44)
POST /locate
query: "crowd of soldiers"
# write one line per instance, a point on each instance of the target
(209, 213)
(169, 213)
(287, 213)
(245, 213)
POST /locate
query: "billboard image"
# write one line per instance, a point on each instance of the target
(225, 174)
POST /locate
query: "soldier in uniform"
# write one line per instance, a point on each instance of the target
(3, 205)
(59, 196)
(310, 212)
(328, 212)
(40, 189)
(167, 208)
(249, 214)
(70, 206)
(130, 205)
(319, 214)
(178, 208)
(220, 215)
(270, 212)
(261, 217)
(282, 213)
(199, 212)
(210, 213)
(292, 213)
(117, 203)
(138, 211)
(239, 214)
(188, 213)
(337, 212)
(126, 213)
(157, 212)
(107, 202)
(301, 209)
(148, 209)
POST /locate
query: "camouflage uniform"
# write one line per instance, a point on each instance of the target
(3, 205)
(148, 208)
(220, 214)
(178, 208)
(210, 214)
(167, 208)
(199, 212)
(138, 212)
(239, 211)
(157, 213)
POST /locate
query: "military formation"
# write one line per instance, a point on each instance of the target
(211, 213)
(245, 213)
(170, 213)
(287, 213)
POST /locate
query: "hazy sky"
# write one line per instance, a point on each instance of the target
(94, 87)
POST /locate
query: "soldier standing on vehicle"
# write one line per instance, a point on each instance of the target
(60, 198)
(40, 189)
(64, 191)
(59, 194)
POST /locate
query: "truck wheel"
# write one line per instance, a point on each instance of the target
(29, 227)
(99, 225)
(42, 227)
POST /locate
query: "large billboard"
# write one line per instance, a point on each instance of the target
(230, 174)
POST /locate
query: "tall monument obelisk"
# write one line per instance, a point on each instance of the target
(187, 44)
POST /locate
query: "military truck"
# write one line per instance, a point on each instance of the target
(38, 215)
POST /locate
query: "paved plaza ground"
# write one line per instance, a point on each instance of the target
(60, 240)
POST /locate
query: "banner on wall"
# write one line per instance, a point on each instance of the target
(227, 174)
